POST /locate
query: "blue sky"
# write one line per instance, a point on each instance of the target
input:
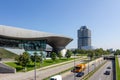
(66, 17)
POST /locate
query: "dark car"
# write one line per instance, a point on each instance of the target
(108, 67)
(107, 73)
(80, 74)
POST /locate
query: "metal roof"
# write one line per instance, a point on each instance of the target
(19, 33)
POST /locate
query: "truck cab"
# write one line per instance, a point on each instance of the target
(79, 68)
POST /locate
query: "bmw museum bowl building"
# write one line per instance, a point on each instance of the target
(31, 40)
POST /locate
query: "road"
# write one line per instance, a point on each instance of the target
(99, 75)
(72, 76)
(40, 74)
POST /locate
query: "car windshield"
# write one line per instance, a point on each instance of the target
(77, 67)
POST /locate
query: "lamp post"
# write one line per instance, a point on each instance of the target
(88, 63)
(74, 66)
(35, 66)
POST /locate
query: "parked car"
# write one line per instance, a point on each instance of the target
(107, 73)
(80, 74)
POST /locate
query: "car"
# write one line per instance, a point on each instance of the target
(80, 74)
(56, 77)
(107, 73)
(108, 67)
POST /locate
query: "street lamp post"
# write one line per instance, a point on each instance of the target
(74, 66)
(35, 66)
(88, 64)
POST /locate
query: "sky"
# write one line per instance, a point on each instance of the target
(65, 17)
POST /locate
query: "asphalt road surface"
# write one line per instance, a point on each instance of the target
(72, 76)
(99, 75)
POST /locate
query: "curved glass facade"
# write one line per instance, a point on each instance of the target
(28, 45)
(33, 45)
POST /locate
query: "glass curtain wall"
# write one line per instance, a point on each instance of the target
(33, 45)
(28, 45)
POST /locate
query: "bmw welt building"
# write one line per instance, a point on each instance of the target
(31, 40)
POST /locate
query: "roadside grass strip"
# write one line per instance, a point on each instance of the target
(58, 73)
(117, 68)
(60, 64)
(86, 77)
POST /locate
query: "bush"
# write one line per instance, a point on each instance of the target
(53, 56)
(68, 54)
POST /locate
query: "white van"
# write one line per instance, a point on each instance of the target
(57, 77)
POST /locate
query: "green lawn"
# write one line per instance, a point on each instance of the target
(81, 54)
(31, 66)
(117, 69)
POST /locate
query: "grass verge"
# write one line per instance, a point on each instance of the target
(38, 65)
(117, 69)
(58, 73)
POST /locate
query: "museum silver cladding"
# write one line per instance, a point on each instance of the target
(27, 39)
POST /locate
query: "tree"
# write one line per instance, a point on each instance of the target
(53, 56)
(99, 52)
(117, 52)
(59, 55)
(35, 56)
(82, 51)
(68, 54)
(23, 60)
(96, 54)
(41, 57)
(90, 54)
(76, 51)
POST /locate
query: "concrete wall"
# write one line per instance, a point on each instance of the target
(95, 61)
(6, 69)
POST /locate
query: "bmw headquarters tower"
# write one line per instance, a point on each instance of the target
(84, 38)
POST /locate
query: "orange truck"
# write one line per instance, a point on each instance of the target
(79, 68)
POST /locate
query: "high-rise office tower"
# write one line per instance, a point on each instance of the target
(84, 37)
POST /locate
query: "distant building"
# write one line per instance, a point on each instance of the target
(84, 38)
